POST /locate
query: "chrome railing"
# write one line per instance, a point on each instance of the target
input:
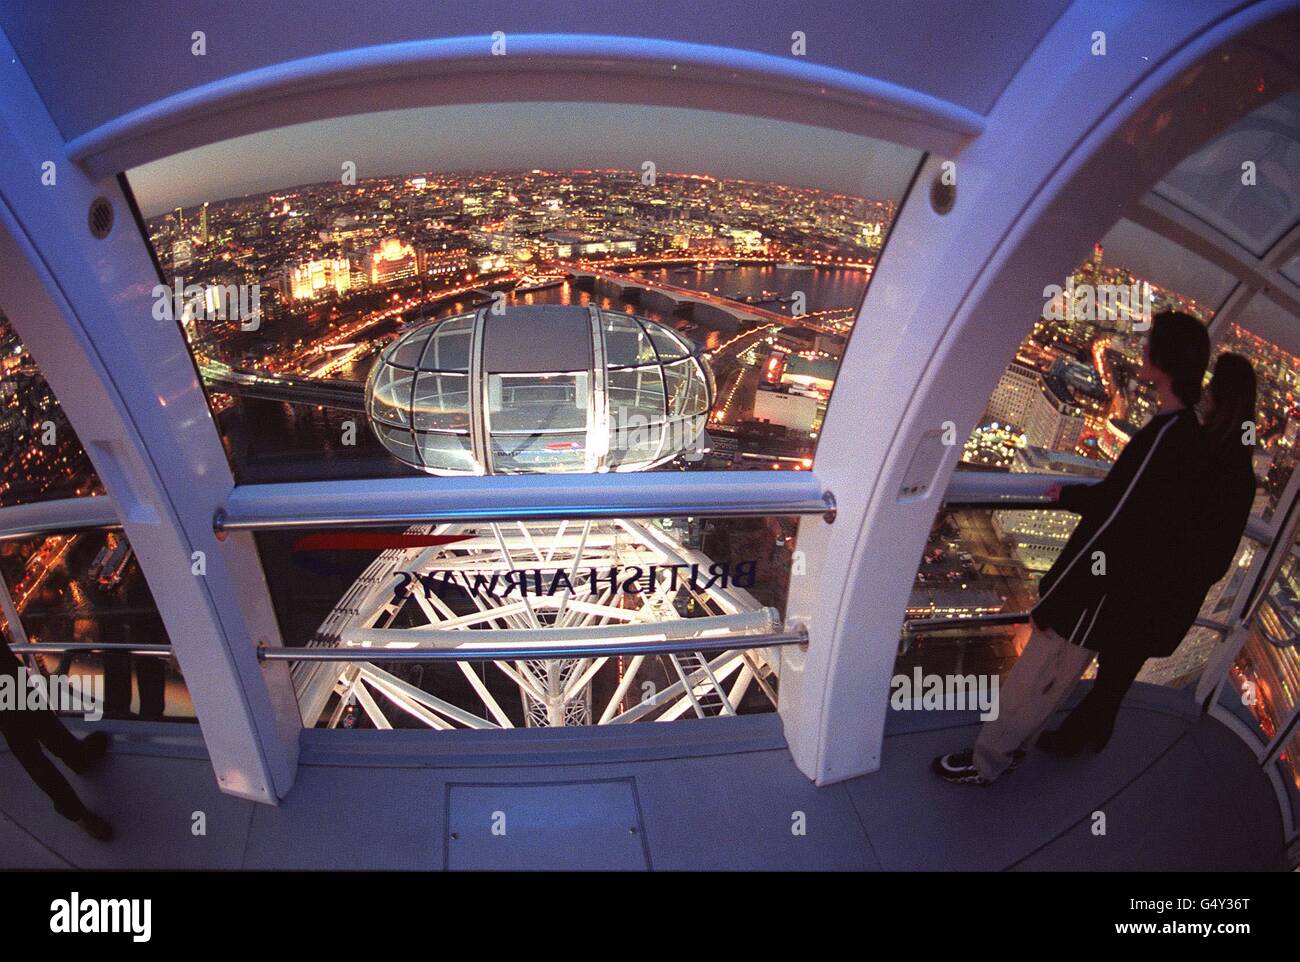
(536, 652)
(23, 521)
(402, 501)
(1012, 491)
(64, 648)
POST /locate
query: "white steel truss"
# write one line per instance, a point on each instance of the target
(500, 585)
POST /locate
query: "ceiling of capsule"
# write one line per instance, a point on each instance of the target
(94, 62)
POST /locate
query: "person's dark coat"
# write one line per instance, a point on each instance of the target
(1227, 493)
(1146, 518)
(9, 663)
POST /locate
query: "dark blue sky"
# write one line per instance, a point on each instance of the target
(523, 136)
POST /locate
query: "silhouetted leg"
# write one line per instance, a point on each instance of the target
(54, 735)
(117, 684)
(25, 743)
(1038, 683)
(151, 674)
(1093, 720)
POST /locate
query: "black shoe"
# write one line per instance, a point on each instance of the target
(93, 748)
(1017, 757)
(1058, 743)
(95, 827)
(959, 768)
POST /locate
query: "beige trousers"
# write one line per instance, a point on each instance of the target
(1037, 685)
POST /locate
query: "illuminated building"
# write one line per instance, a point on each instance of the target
(393, 260)
(815, 376)
(317, 277)
(446, 262)
(1118, 433)
(796, 412)
(1037, 537)
(747, 241)
(1055, 421)
(1013, 398)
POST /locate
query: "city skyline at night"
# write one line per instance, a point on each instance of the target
(523, 136)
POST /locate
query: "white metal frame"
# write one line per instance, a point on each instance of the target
(554, 691)
(940, 317)
(929, 352)
(83, 309)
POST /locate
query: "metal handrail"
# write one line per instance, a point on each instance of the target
(1003, 489)
(388, 502)
(488, 652)
(1012, 491)
(23, 521)
(974, 621)
(61, 648)
(1015, 618)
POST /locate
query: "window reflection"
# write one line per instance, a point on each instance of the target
(87, 588)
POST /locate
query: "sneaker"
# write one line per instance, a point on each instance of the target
(1017, 757)
(93, 748)
(95, 827)
(959, 768)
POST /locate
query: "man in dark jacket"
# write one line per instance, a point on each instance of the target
(1223, 492)
(26, 730)
(1119, 587)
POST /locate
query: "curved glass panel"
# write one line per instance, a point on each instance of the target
(1199, 286)
(637, 393)
(402, 443)
(390, 398)
(668, 345)
(447, 452)
(41, 458)
(517, 300)
(440, 402)
(537, 402)
(626, 342)
(449, 346)
(529, 453)
(1246, 182)
(639, 444)
(753, 260)
(1264, 682)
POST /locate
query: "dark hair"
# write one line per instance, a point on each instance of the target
(1232, 401)
(1180, 346)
